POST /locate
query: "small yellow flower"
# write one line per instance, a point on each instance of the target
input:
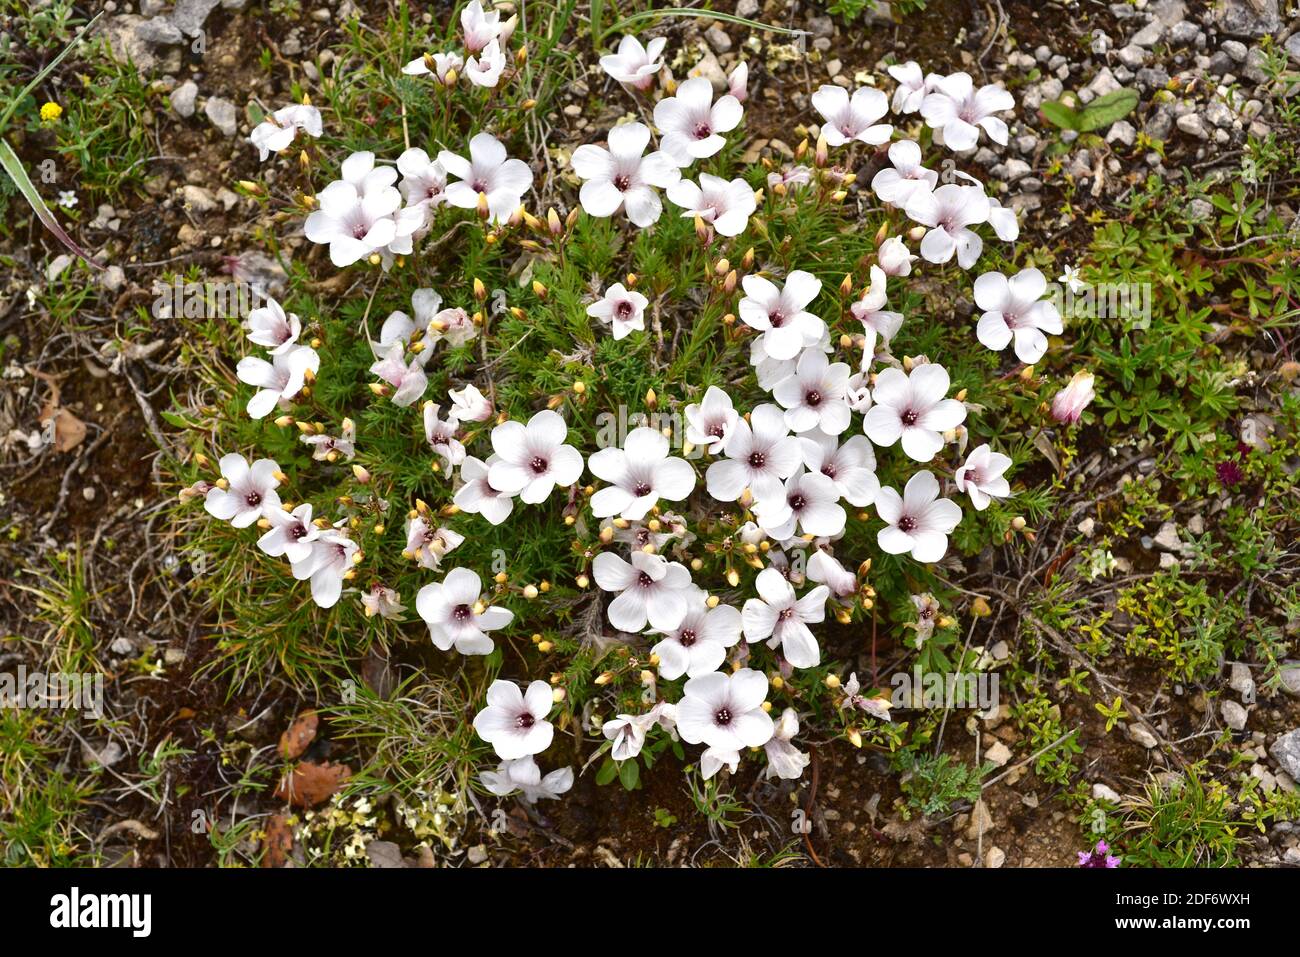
(51, 111)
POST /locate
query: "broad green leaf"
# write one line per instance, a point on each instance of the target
(1061, 115)
(1105, 110)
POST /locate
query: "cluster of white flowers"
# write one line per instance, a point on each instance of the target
(783, 460)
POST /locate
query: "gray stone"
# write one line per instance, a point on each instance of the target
(1169, 12)
(1133, 56)
(1235, 49)
(159, 31)
(1286, 752)
(998, 754)
(1217, 112)
(1253, 68)
(1248, 18)
(1190, 123)
(223, 115)
(1153, 78)
(821, 26)
(182, 98)
(1167, 537)
(190, 15)
(198, 199)
(718, 39)
(1184, 33)
(1101, 792)
(1234, 715)
(1149, 35)
(1290, 675)
(1199, 210)
(1103, 83)
(1241, 681)
(1139, 734)
(1293, 47)
(1122, 132)
(748, 9)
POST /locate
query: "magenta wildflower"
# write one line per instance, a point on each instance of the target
(1099, 856)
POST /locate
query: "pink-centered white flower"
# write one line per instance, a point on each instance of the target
(532, 459)
(523, 777)
(779, 618)
(428, 544)
(1069, 403)
(633, 64)
(816, 395)
(691, 124)
(914, 408)
(622, 176)
(809, 503)
(711, 422)
(399, 327)
(726, 206)
(485, 68)
(440, 433)
(981, 476)
(291, 534)
(331, 560)
(440, 65)
(276, 133)
(276, 381)
(355, 221)
(272, 328)
(1014, 309)
(784, 760)
(780, 313)
(424, 180)
(382, 601)
(407, 377)
(640, 473)
(913, 85)
(918, 521)
(761, 454)
(249, 493)
(469, 405)
(477, 496)
(958, 111)
(699, 644)
(622, 309)
(848, 118)
(825, 569)
(725, 711)
(894, 257)
(514, 722)
(895, 184)
(628, 732)
(651, 589)
(456, 617)
(877, 321)
(851, 467)
(950, 211)
(488, 172)
(738, 81)
(479, 27)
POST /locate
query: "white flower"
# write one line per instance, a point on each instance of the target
(895, 185)
(407, 378)
(816, 395)
(1069, 403)
(327, 565)
(454, 325)
(634, 64)
(914, 408)
(691, 122)
(711, 422)
(699, 644)
(726, 206)
(621, 177)
(455, 616)
(628, 731)
(382, 601)
(622, 308)
(533, 459)
(981, 476)
(355, 214)
(399, 327)
(276, 134)
(759, 457)
(428, 545)
(809, 501)
(469, 405)
(441, 436)
(894, 258)
(486, 68)
(738, 81)
(918, 521)
(851, 467)
(1070, 277)
(250, 491)
(514, 722)
(1014, 308)
(784, 760)
(443, 64)
(780, 313)
(870, 311)
(424, 180)
(725, 711)
(913, 85)
(713, 760)
(779, 618)
(488, 171)
(958, 111)
(271, 328)
(793, 178)
(479, 28)
(852, 118)
(67, 198)
(323, 446)
(1003, 220)
(949, 211)
(278, 380)
(651, 589)
(824, 568)
(477, 496)
(291, 533)
(642, 472)
(523, 775)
